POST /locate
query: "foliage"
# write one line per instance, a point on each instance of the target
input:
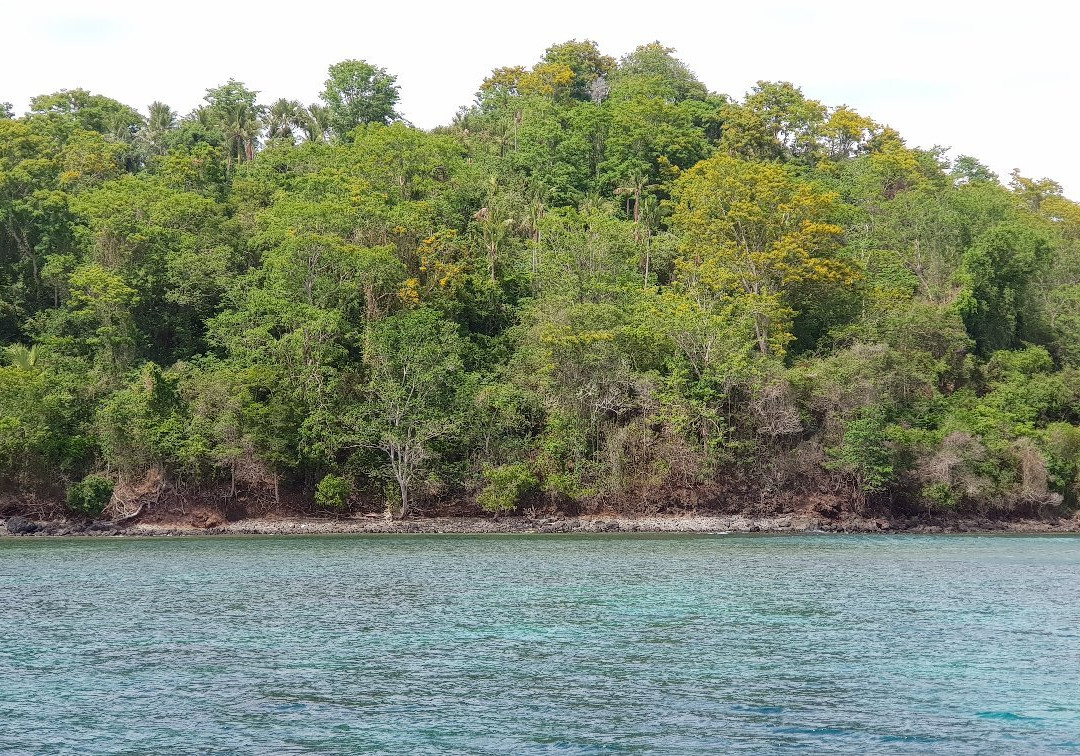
(506, 484)
(601, 282)
(358, 93)
(90, 496)
(332, 492)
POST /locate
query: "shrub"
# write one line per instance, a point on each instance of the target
(332, 492)
(941, 495)
(864, 453)
(90, 496)
(506, 485)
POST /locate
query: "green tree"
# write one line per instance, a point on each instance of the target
(160, 121)
(233, 110)
(284, 118)
(358, 93)
(996, 273)
(413, 395)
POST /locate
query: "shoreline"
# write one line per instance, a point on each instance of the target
(679, 523)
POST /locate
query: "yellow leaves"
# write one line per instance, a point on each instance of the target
(542, 79)
(409, 293)
(506, 78)
(451, 276)
(668, 170)
(1064, 212)
(751, 231)
(753, 226)
(546, 78)
(846, 133)
(441, 262)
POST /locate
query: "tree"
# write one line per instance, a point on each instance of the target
(284, 118)
(1032, 192)
(23, 357)
(359, 93)
(753, 231)
(863, 454)
(586, 62)
(160, 121)
(968, 170)
(232, 109)
(652, 71)
(316, 122)
(996, 272)
(413, 393)
(89, 112)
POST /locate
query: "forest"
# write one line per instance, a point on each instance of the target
(601, 287)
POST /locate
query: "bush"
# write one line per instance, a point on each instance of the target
(864, 453)
(941, 495)
(506, 485)
(90, 496)
(332, 492)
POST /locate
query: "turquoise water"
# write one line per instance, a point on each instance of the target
(567, 644)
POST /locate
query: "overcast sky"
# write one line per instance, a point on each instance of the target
(999, 82)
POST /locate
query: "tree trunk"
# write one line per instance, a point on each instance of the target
(647, 250)
(761, 330)
(404, 489)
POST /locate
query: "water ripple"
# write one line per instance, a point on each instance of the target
(577, 644)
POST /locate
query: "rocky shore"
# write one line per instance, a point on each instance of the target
(683, 523)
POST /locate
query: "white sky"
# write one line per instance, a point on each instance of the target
(995, 80)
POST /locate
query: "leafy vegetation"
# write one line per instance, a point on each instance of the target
(600, 285)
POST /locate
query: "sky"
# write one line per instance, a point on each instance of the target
(994, 80)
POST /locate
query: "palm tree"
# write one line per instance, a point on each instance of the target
(284, 118)
(22, 357)
(315, 122)
(535, 210)
(203, 116)
(161, 120)
(635, 185)
(122, 131)
(644, 228)
(239, 122)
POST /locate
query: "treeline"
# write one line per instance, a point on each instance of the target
(601, 284)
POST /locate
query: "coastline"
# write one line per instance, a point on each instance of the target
(676, 523)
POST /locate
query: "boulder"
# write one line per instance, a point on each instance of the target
(21, 526)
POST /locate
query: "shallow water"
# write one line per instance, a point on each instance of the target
(570, 644)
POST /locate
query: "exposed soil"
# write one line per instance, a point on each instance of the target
(161, 511)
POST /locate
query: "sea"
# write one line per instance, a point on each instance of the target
(567, 644)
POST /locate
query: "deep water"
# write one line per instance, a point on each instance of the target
(568, 644)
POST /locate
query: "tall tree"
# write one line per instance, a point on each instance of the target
(414, 393)
(233, 109)
(160, 121)
(753, 230)
(358, 93)
(284, 118)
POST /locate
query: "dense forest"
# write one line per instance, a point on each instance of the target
(602, 286)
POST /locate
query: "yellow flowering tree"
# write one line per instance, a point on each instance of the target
(751, 232)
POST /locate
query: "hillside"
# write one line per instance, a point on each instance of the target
(601, 287)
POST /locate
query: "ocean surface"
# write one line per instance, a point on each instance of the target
(522, 644)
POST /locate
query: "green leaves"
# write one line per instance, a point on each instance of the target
(358, 93)
(601, 281)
